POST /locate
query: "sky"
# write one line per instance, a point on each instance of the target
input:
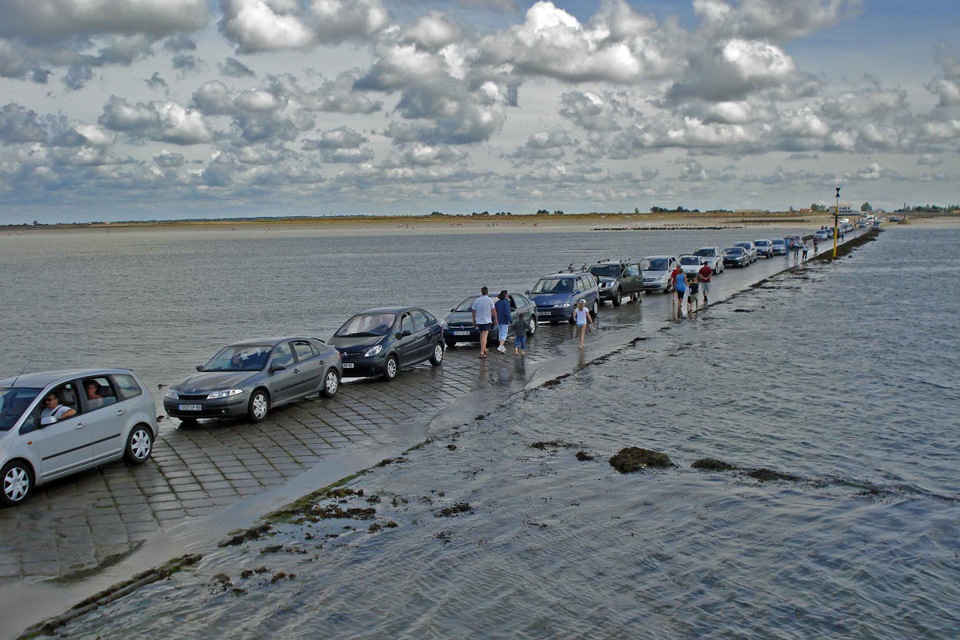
(167, 109)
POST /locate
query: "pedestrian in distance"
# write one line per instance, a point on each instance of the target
(680, 289)
(705, 273)
(502, 307)
(693, 295)
(816, 245)
(805, 248)
(581, 315)
(520, 334)
(484, 314)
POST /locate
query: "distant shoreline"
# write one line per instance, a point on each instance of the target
(489, 224)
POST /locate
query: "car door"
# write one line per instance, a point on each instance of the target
(423, 337)
(282, 378)
(64, 446)
(405, 341)
(106, 416)
(631, 282)
(308, 370)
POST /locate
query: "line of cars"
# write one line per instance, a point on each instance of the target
(108, 414)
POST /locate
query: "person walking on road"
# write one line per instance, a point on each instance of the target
(502, 307)
(581, 315)
(706, 271)
(804, 249)
(484, 315)
(520, 334)
(693, 296)
(816, 245)
(680, 289)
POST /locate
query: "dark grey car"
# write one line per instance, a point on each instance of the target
(251, 377)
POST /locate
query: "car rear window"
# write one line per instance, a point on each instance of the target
(127, 386)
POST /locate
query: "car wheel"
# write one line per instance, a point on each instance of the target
(139, 445)
(450, 343)
(437, 356)
(17, 483)
(617, 298)
(391, 368)
(595, 309)
(331, 383)
(259, 406)
(532, 325)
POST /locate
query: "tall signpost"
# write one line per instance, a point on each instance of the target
(836, 224)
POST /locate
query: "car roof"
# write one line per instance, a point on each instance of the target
(272, 341)
(393, 310)
(658, 257)
(43, 378)
(565, 274)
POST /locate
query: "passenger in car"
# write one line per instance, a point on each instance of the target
(53, 408)
(94, 399)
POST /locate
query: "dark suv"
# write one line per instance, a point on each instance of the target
(618, 279)
(557, 294)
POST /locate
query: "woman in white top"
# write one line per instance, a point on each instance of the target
(581, 315)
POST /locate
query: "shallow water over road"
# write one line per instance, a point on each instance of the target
(819, 373)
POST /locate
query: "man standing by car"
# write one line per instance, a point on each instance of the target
(705, 273)
(484, 315)
(502, 313)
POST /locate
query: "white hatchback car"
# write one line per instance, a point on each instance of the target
(56, 423)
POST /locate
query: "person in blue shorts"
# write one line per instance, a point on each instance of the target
(581, 315)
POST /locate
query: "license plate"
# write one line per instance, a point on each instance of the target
(348, 365)
(461, 333)
(190, 407)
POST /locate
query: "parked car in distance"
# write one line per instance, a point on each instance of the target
(779, 246)
(690, 264)
(736, 257)
(556, 295)
(712, 256)
(618, 279)
(764, 248)
(824, 234)
(750, 248)
(459, 326)
(113, 416)
(379, 342)
(656, 272)
(251, 377)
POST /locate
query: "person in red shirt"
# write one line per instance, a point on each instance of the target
(705, 273)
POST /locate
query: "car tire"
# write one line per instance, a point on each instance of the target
(331, 384)
(617, 298)
(532, 325)
(259, 406)
(17, 479)
(437, 356)
(391, 367)
(139, 445)
(450, 343)
(595, 309)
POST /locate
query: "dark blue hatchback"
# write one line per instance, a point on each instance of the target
(556, 295)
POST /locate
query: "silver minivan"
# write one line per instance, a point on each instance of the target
(56, 423)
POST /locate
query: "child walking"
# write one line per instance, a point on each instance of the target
(581, 315)
(520, 334)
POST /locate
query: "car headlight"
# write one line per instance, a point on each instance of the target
(372, 351)
(172, 394)
(567, 305)
(225, 393)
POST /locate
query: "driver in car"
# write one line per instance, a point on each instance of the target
(53, 408)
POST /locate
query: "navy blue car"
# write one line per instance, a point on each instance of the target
(460, 327)
(556, 295)
(378, 342)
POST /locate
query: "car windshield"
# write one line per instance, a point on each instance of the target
(366, 325)
(13, 402)
(245, 357)
(466, 305)
(554, 285)
(690, 260)
(707, 253)
(734, 250)
(745, 245)
(778, 242)
(606, 270)
(656, 264)
(761, 243)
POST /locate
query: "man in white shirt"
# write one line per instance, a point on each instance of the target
(484, 316)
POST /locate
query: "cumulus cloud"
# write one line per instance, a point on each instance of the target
(775, 20)
(235, 69)
(168, 160)
(165, 121)
(594, 111)
(45, 20)
(339, 138)
(619, 45)
(275, 25)
(433, 31)
(947, 84)
(185, 62)
(544, 145)
(733, 70)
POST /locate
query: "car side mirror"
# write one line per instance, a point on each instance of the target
(528, 292)
(46, 421)
(199, 367)
(404, 334)
(453, 310)
(277, 367)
